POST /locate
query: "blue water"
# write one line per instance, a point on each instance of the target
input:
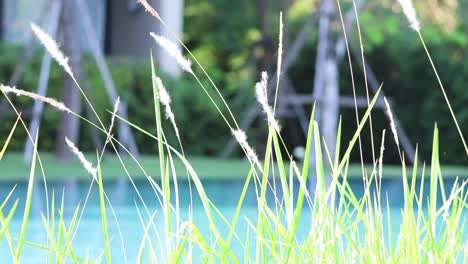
(89, 242)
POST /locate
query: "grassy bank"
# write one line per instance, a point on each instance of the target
(14, 169)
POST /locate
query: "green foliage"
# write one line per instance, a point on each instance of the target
(397, 58)
(131, 77)
(413, 87)
(11, 56)
(223, 43)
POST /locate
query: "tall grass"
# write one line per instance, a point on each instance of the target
(341, 226)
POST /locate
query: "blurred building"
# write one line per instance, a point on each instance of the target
(122, 26)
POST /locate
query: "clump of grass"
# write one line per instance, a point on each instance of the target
(342, 227)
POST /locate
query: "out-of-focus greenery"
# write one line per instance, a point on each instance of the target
(133, 79)
(224, 41)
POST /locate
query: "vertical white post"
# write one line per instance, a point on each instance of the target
(172, 12)
(38, 106)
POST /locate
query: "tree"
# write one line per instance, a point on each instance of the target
(70, 125)
(326, 76)
(266, 41)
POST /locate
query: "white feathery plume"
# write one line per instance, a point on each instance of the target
(410, 13)
(163, 94)
(280, 47)
(165, 99)
(174, 51)
(149, 9)
(116, 108)
(382, 148)
(52, 47)
(86, 164)
(51, 101)
(241, 138)
(262, 98)
(392, 123)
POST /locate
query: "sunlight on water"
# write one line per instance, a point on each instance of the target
(89, 243)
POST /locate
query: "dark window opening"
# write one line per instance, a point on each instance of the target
(108, 28)
(2, 24)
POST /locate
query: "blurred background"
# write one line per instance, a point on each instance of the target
(235, 41)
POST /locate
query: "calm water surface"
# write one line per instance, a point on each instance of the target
(88, 241)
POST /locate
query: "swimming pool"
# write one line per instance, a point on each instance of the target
(89, 243)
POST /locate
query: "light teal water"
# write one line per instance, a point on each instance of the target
(89, 243)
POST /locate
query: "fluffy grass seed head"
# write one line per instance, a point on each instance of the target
(163, 94)
(241, 138)
(86, 164)
(280, 46)
(51, 101)
(262, 98)
(116, 109)
(382, 148)
(149, 8)
(392, 122)
(173, 51)
(51, 46)
(165, 100)
(410, 13)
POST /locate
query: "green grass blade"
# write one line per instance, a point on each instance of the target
(73, 220)
(27, 207)
(6, 222)
(162, 158)
(102, 203)
(304, 176)
(51, 226)
(239, 204)
(51, 245)
(7, 198)
(10, 135)
(319, 171)
(283, 177)
(141, 249)
(68, 242)
(449, 105)
(434, 181)
(60, 233)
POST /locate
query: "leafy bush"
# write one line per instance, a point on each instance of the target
(132, 78)
(224, 48)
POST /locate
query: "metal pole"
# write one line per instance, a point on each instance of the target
(125, 133)
(43, 81)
